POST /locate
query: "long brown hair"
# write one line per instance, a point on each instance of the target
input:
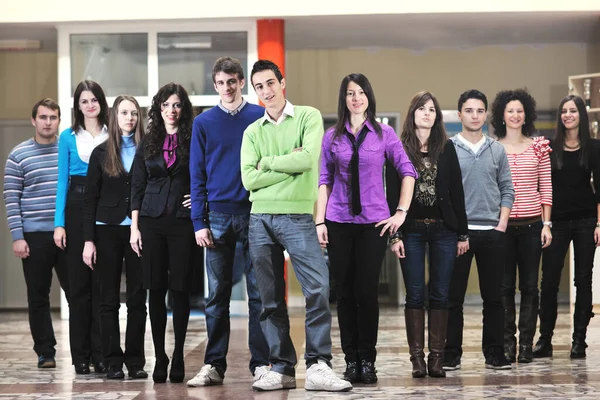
(113, 166)
(561, 132)
(343, 113)
(156, 126)
(437, 138)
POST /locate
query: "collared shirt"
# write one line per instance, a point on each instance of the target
(288, 111)
(86, 142)
(233, 112)
(473, 146)
(373, 152)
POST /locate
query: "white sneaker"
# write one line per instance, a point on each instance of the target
(321, 377)
(260, 371)
(207, 376)
(272, 380)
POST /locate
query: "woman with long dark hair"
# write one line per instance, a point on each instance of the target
(161, 228)
(576, 218)
(437, 221)
(106, 232)
(528, 232)
(75, 147)
(353, 217)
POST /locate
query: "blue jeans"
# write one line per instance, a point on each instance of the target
(441, 243)
(228, 231)
(269, 235)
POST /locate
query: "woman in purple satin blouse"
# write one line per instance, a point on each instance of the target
(353, 217)
(161, 227)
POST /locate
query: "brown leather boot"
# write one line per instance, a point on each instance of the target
(415, 333)
(437, 340)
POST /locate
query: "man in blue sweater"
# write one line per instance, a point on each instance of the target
(30, 180)
(221, 214)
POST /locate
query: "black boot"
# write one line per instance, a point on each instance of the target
(415, 333)
(527, 321)
(510, 342)
(547, 314)
(438, 322)
(581, 320)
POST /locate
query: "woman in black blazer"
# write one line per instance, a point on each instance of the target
(106, 223)
(436, 219)
(161, 230)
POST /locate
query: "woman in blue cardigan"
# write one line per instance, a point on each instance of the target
(75, 146)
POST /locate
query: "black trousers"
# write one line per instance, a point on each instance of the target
(581, 232)
(37, 268)
(84, 288)
(112, 246)
(356, 253)
(489, 249)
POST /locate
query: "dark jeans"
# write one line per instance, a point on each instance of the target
(37, 268)
(112, 245)
(581, 232)
(356, 253)
(488, 247)
(269, 235)
(523, 252)
(441, 243)
(84, 287)
(229, 231)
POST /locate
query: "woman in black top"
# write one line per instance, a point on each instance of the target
(106, 229)
(161, 228)
(437, 219)
(575, 214)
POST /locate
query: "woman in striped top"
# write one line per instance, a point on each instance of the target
(513, 115)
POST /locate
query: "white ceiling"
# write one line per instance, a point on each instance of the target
(413, 31)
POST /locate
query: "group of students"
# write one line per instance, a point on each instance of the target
(243, 176)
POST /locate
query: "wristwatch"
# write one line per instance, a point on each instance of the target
(402, 209)
(547, 223)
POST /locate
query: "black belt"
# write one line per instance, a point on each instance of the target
(523, 221)
(428, 221)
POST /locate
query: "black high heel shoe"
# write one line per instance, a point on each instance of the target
(177, 370)
(160, 369)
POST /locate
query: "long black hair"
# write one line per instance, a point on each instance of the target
(561, 132)
(437, 137)
(96, 89)
(343, 113)
(156, 132)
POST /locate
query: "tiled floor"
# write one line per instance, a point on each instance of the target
(557, 378)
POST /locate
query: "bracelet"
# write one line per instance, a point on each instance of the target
(320, 223)
(463, 238)
(597, 224)
(397, 235)
(395, 240)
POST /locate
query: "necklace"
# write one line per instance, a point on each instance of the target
(572, 147)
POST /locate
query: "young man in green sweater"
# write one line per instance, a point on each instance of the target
(279, 162)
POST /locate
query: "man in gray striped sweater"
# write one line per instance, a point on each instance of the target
(30, 180)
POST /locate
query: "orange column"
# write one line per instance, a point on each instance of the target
(271, 41)
(271, 46)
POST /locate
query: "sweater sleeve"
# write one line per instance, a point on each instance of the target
(13, 190)
(198, 176)
(300, 161)
(63, 179)
(92, 195)
(504, 178)
(253, 178)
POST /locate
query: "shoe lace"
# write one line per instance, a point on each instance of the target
(325, 372)
(205, 370)
(270, 377)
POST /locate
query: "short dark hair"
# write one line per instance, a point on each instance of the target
(48, 103)
(228, 65)
(96, 89)
(472, 94)
(499, 105)
(264, 65)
